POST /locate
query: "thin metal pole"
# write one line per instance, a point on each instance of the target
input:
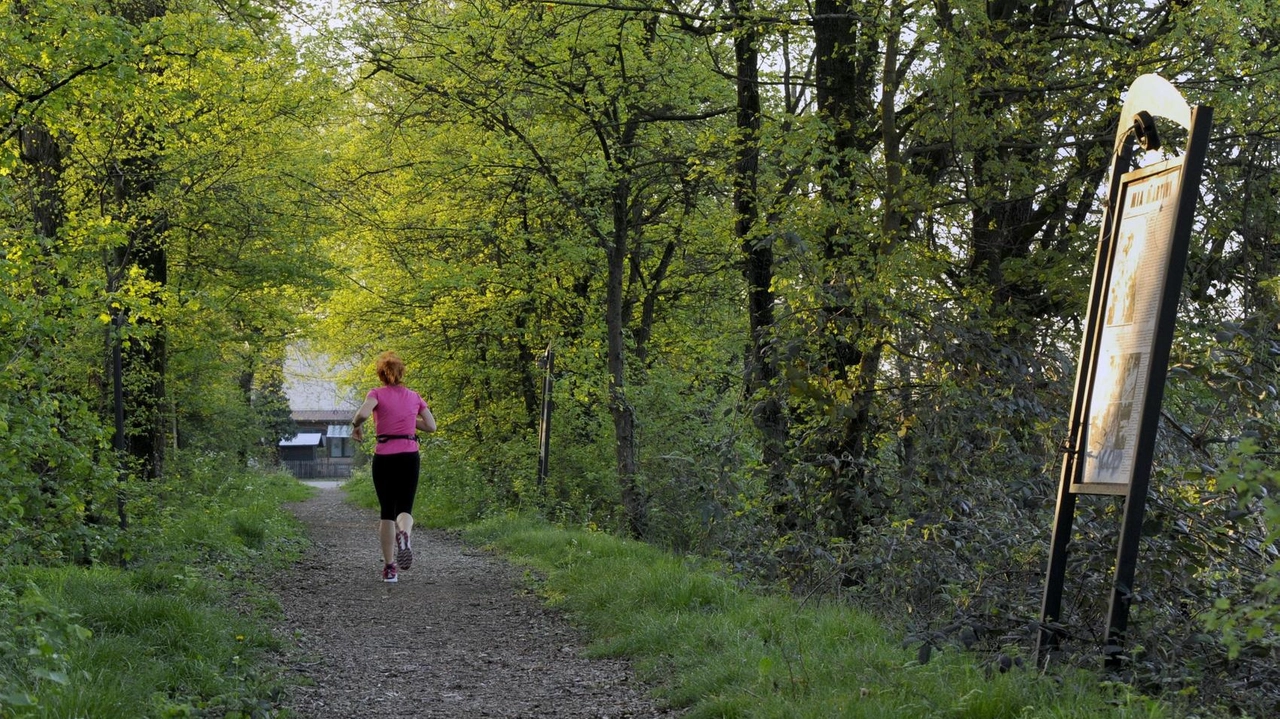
(1064, 515)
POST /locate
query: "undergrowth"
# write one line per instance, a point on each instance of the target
(180, 629)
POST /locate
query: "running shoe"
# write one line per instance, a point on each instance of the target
(404, 552)
(389, 574)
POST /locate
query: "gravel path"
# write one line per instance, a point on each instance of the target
(456, 637)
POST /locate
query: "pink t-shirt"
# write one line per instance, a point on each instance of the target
(396, 413)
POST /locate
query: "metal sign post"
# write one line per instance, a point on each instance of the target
(1124, 354)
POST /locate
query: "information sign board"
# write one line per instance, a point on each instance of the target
(1136, 276)
(1124, 352)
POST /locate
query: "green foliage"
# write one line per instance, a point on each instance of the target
(542, 188)
(34, 652)
(157, 171)
(1250, 620)
(52, 485)
(692, 457)
(52, 476)
(497, 178)
(926, 189)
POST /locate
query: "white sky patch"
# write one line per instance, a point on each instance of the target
(321, 29)
(323, 18)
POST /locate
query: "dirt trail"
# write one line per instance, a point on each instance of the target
(456, 637)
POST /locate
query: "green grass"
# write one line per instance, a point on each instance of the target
(723, 651)
(359, 490)
(182, 631)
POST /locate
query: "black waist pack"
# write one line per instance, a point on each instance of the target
(388, 437)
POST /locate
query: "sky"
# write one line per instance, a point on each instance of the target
(314, 17)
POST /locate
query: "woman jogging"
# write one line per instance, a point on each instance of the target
(397, 412)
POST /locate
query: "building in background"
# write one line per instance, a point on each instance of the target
(322, 409)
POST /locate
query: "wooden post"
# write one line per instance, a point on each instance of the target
(547, 362)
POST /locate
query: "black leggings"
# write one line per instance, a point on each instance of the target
(395, 479)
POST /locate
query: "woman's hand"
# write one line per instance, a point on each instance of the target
(362, 414)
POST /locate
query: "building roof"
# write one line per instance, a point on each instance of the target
(326, 416)
(304, 439)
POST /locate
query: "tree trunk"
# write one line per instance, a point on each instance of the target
(40, 151)
(845, 78)
(859, 430)
(145, 358)
(619, 407)
(617, 257)
(760, 362)
(246, 383)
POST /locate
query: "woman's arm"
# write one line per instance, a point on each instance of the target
(425, 421)
(362, 414)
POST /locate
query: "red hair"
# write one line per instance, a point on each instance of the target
(390, 368)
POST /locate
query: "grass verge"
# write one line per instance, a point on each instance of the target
(723, 651)
(182, 631)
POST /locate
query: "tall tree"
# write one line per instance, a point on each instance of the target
(124, 136)
(595, 115)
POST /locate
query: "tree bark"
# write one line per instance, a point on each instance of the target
(41, 152)
(845, 77)
(135, 179)
(760, 362)
(145, 358)
(619, 407)
(617, 256)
